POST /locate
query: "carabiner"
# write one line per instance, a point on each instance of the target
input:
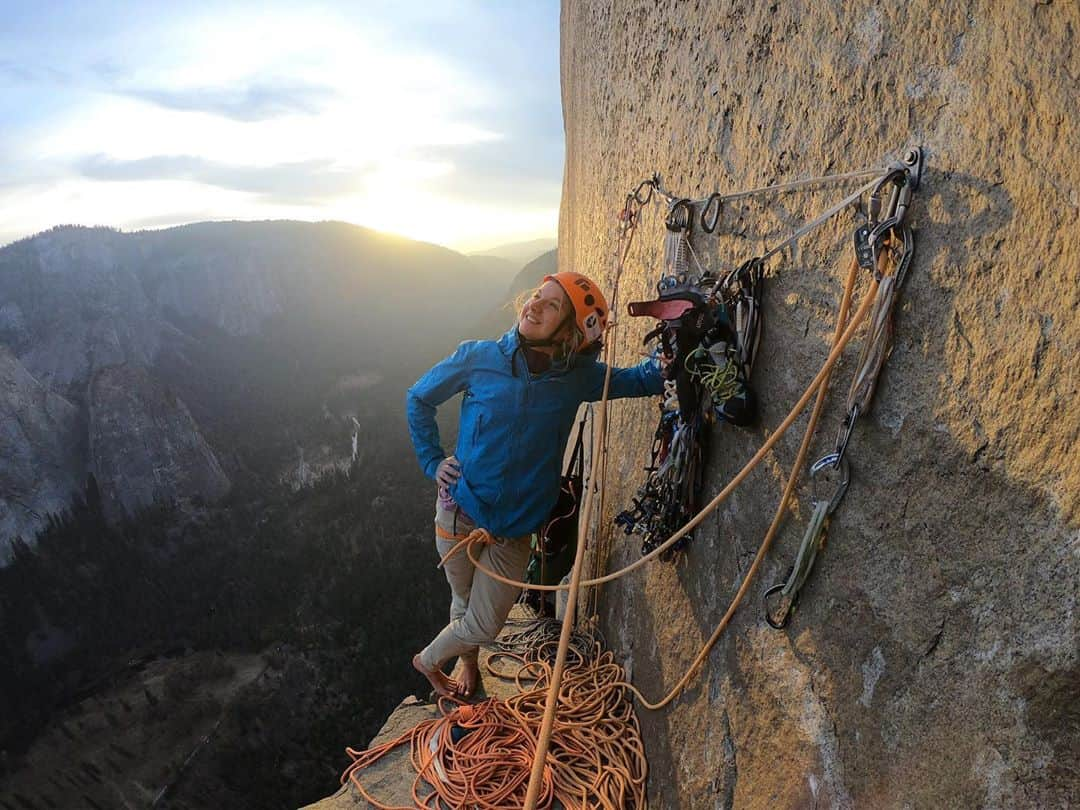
(781, 622)
(904, 178)
(874, 208)
(843, 435)
(651, 185)
(896, 210)
(822, 467)
(708, 224)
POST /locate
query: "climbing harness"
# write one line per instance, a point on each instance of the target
(554, 545)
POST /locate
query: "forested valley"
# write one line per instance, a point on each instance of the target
(333, 584)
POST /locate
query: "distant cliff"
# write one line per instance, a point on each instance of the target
(144, 445)
(165, 362)
(42, 448)
(933, 661)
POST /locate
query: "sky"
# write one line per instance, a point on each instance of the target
(437, 121)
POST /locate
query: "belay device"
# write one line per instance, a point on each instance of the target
(708, 331)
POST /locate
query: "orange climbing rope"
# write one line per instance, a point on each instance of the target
(551, 704)
(480, 755)
(478, 535)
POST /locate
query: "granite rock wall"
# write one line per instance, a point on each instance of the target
(933, 661)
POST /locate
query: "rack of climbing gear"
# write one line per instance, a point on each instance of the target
(709, 328)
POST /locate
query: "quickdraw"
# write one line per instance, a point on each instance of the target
(813, 541)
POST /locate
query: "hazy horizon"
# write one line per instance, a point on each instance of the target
(391, 118)
(482, 249)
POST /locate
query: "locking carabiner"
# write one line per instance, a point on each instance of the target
(715, 202)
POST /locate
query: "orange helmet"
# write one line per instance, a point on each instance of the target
(590, 306)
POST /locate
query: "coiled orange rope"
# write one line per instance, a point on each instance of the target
(596, 757)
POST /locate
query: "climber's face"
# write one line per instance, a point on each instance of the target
(545, 312)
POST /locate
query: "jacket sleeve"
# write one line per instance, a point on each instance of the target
(442, 381)
(642, 380)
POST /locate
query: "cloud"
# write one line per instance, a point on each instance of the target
(519, 170)
(357, 111)
(309, 181)
(519, 68)
(260, 101)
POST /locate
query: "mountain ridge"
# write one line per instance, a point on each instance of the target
(212, 311)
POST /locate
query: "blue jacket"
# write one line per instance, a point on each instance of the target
(513, 427)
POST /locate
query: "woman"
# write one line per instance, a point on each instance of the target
(521, 394)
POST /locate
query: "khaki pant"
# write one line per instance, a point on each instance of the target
(479, 604)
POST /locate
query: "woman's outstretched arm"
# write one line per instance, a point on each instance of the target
(642, 380)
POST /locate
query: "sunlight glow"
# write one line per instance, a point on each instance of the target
(186, 136)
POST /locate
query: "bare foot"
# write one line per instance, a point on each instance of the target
(443, 685)
(470, 676)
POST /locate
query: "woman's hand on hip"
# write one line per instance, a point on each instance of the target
(448, 471)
